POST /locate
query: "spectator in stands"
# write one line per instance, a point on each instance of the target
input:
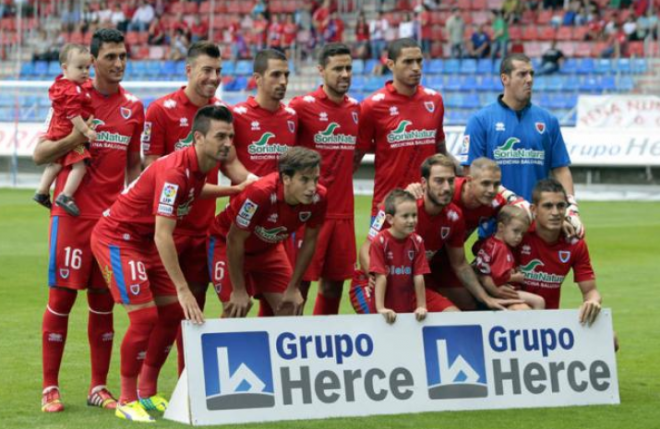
(612, 26)
(260, 8)
(179, 23)
(334, 30)
(616, 44)
(199, 30)
(275, 32)
(551, 61)
(595, 28)
(479, 46)
(142, 17)
(582, 17)
(512, 10)
(320, 19)
(647, 26)
(104, 13)
(407, 27)
(88, 19)
(118, 19)
(42, 47)
(377, 29)
(500, 35)
(553, 4)
(361, 37)
(424, 19)
(630, 28)
(179, 45)
(571, 14)
(156, 32)
(455, 27)
(289, 32)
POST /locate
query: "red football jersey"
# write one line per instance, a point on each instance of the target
(167, 188)
(168, 128)
(119, 120)
(400, 261)
(477, 216)
(402, 131)
(545, 266)
(495, 259)
(69, 99)
(261, 209)
(262, 136)
(331, 129)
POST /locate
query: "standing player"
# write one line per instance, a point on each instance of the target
(134, 244)
(168, 128)
(545, 255)
(328, 123)
(401, 123)
(245, 240)
(524, 139)
(115, 159)
(265, 127)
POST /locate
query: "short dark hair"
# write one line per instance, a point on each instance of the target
(396, 197)
(396, 46)
(331, 50)
(206, 114)
(104, 35)
(260, 64)
(203, 47)
(298, 158)
(437, 159)
(68, 49)
(509, 212)
(507, 63)
(550, 185)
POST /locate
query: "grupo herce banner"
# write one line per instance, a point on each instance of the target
(270, 369)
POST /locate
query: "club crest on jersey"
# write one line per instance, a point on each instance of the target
(125, 113)
(292, 126)
(540, 127)
(564, 255)
(411, 254)
(444, 232)
(430, 106)
(304, 216)
(355, 117)
(135, 289)
(64, 273)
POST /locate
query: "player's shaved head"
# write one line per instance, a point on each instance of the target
(261, 60)
(509, 212)
(396, 197)
(433, 160)
(480, 165)
(203, 47)
(204, 116)
(104, 35)
(70, 49)
(298, 159)
(549, 185)
(397, 46)
(332, 50)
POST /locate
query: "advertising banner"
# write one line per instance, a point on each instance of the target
(618, 111)
(270, 369)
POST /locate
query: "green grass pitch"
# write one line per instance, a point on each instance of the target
(624, 241)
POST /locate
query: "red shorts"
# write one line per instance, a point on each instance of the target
(360, 293)
(192, 257)
(133, 271)
(266, 272)
(79, 153)
(436, 303)
(71, 263)
(334, 256)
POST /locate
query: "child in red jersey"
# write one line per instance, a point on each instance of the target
(496, 264)
(71, 108)
(398, 260)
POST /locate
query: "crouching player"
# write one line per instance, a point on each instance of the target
(245, 241)
(495, 263)
(398, 260)
(134, 246)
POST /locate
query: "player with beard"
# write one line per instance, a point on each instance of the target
(328, 123)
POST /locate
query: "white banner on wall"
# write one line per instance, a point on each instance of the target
(256, 370)
(618, 111)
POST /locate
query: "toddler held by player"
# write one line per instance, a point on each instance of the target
(397, 258)
(71, 105)
(495, 263)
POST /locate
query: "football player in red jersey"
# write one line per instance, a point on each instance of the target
(245, 241)
(328, 123)
(401, 123)
(545, 255)
(168, 128)
(134, 244)
(265, 127)
(115, 161)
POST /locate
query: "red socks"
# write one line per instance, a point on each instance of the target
(53, 332)
(100, 333)
(325, 305)
(160, 343)
(134, 350)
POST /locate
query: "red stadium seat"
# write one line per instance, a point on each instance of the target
(565, 33)
(480, 17)
(131, 38)
(583, 49)
(176, 8)
(467, 17)
(580, 33)
(276, 6)
(464, 4)
(77, 37)
(515, 32)
(597, 48)
(568, 48)
(533, 49)
(190, 8)
(546, 33)
(233, 6)
(530, 33)
(495, 4)
(479, 4)
(635, 49)
(528, 17)
(544, 17)
(205, 7)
